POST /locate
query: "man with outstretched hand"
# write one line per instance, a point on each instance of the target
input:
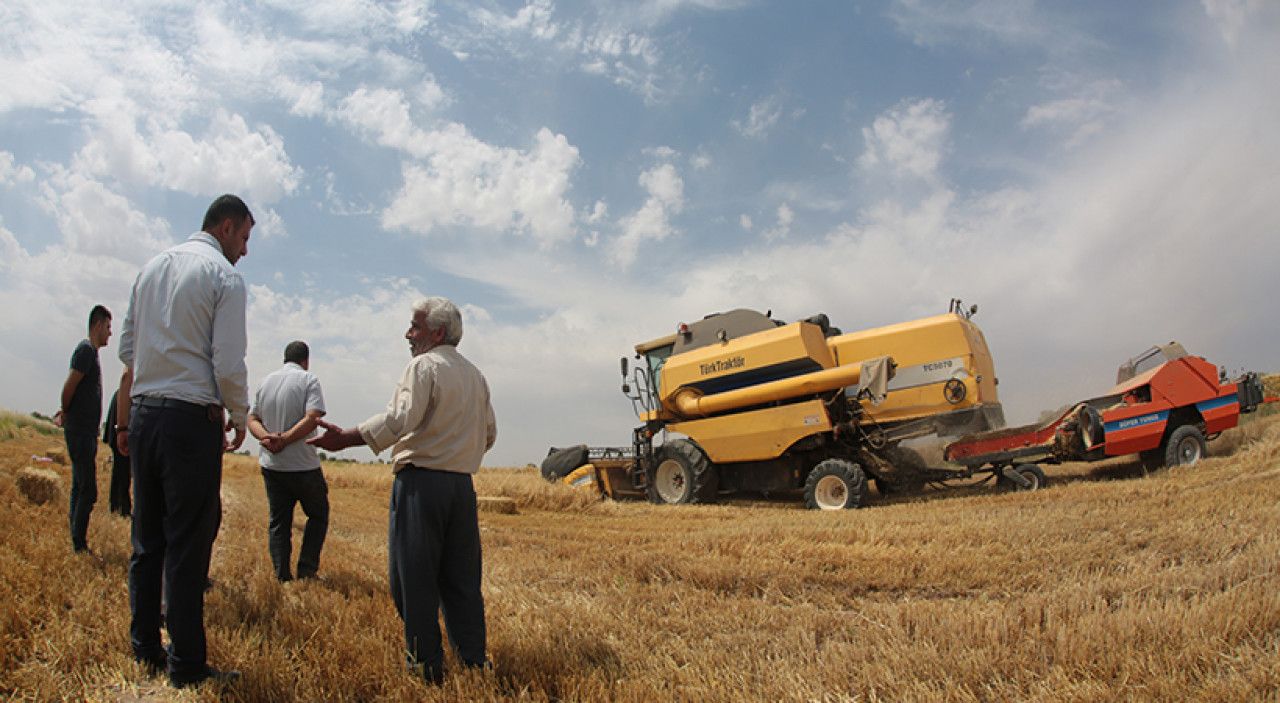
(184, 386)
(438, 425)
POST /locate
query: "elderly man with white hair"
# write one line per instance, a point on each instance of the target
(438, 425)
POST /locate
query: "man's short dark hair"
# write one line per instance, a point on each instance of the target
(98, 314)
(297, 352)
(226, 207)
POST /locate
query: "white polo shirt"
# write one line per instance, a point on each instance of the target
(282, 400)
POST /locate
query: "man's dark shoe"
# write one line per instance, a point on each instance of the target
(222, 678)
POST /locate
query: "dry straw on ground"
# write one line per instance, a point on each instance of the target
(1105, 586)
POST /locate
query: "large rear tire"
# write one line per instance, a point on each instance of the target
(835, 484)
(1184, 447)
(682, 474)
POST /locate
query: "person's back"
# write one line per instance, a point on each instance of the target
(447, 438)
(282, 400)
(175, 311)
(285, 411)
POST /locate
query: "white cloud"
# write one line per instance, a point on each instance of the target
(1012, 22)
(782, 228)
(94, 221)
(1233, 16)
(308, 100)
(745, 222)
(229, 157)
(761, 117)
(11, 174)
(653, 220)
(534, 19)
(269, 225)
(1081, 115)
(598, 213)
(430, 95)
(908, 140)
(464, 181)
(384, 113)
(700, 161)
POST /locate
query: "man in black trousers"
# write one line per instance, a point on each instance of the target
(183, 346)
(438, 424)
(118, 501)
(285, 411)
(79, 416)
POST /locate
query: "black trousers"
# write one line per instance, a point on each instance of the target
(434, 549)
(82, 450)
(176, 455)
(284, 490)
(119, 498)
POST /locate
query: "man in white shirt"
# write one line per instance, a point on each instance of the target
(438, 425)
(285, 410)
(183, 346)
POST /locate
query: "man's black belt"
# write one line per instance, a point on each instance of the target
(426, 468)
(212, 412)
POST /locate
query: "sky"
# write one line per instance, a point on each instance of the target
(1097, 177)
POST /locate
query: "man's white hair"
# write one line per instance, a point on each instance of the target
(441, 313)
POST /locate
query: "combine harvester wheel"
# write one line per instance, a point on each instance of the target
(835, 484)
(683, 475)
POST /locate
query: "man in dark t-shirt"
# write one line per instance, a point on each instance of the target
(79, 417)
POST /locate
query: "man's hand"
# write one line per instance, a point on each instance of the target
(273, 442)
(57, 418)
(236, 440)
(122, 442)
(335, 438)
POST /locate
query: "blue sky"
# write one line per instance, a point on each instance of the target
(1097, 176)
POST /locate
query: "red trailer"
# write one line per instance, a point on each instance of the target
(1165, 406)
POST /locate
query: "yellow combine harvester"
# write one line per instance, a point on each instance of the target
(768, 407)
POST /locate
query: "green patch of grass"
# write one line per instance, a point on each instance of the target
(11, 425)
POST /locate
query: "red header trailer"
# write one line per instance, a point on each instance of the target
(1164, 407)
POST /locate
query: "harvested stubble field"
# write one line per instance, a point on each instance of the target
(1105, 586)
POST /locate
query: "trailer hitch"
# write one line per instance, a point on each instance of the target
(1015, 477)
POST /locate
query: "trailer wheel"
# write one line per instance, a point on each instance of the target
(1032, 473)
(683, 474)
(835, 484)
(1184, 447)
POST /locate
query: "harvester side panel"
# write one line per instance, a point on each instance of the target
(782, 352)
(755, 435)
(928, 352)
(1138, 433)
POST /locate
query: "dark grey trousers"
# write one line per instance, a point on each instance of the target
(82, 450)
(284, 490)
(434, 545)
(120, 499)
(176, 454)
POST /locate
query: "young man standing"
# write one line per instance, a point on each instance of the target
(184, 386)
(79, 417)
(285, 410)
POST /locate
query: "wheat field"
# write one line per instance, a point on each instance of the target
(1106, 586)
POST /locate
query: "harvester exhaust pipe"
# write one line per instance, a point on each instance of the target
(871, 376)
